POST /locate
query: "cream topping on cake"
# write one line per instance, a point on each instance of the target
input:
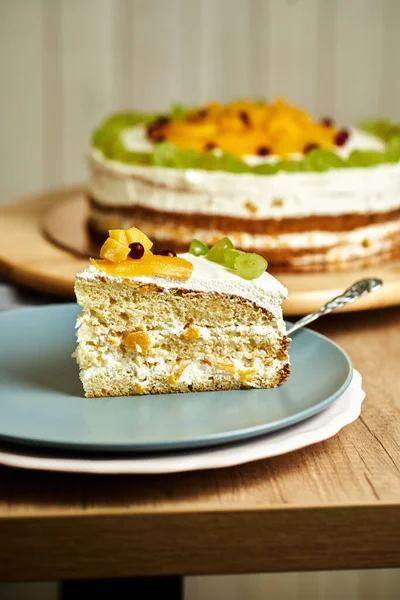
(265, 291)
(250, 196)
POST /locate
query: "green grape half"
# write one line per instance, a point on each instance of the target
(230, 256)
(186, 159)
(217, 252)
(290, 166)
(164, 154)
(265, 169)
(365, 158)
(250, 266)
(197, 248)
(322, 160)
(392, 153)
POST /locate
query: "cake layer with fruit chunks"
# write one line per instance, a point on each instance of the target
(209, 319)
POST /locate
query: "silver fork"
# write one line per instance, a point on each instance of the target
(355, 292)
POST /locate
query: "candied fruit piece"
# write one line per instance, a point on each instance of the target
(191, 333)
(247, 374)
(138, 341)
(150, 265)
(177, 373)
(228, 367)
(118, 235)
(114, 251)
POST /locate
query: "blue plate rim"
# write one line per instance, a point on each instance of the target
(205, 441)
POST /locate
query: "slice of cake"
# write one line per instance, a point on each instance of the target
(204, 320)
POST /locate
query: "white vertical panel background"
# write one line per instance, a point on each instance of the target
(21, 98)
(87, 62)
(156, 73)
(291, 51)
(66, 63)
(358, 73)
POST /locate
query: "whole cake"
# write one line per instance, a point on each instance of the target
(205, 320)
(304, 193)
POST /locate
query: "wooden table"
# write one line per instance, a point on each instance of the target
(335, 505)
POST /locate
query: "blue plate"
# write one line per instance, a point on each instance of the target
(42, 401)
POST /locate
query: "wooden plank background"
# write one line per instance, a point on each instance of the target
(64, 64)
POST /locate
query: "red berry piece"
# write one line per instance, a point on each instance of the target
(244, 117)
(327, 121)
(310, 147)
(136, 250)
(263, 151)
(341, 137)
(167, 252)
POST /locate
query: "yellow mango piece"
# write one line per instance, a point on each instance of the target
(138, 341)
(114, 251)
(118, 235)
(135, 235)
(151, 265)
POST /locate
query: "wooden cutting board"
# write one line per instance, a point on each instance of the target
(44, 261)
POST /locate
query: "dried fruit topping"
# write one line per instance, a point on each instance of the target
(167, 252)
(263, 151)
(341, 137)
(136, 250)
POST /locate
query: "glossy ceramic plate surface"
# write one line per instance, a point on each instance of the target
(42, 401)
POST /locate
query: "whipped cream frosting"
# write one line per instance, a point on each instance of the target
(265, 291)
(250, 196)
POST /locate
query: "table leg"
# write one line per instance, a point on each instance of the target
(137, 587)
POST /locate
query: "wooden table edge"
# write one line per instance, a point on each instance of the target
(117, 543)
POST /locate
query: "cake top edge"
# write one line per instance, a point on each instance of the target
(207, 276)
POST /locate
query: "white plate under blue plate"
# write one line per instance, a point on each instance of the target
(42, 401)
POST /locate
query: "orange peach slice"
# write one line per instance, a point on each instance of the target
(149, 265)
(114, 251)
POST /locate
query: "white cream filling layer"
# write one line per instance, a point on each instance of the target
(209, 277)
(334, 192)
(195, 372)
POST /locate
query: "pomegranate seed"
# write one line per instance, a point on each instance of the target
(310, 147)
(167, 252)
(327, 121)
(136, 250)
(263, 151)
(341, 137)
(244, 118)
